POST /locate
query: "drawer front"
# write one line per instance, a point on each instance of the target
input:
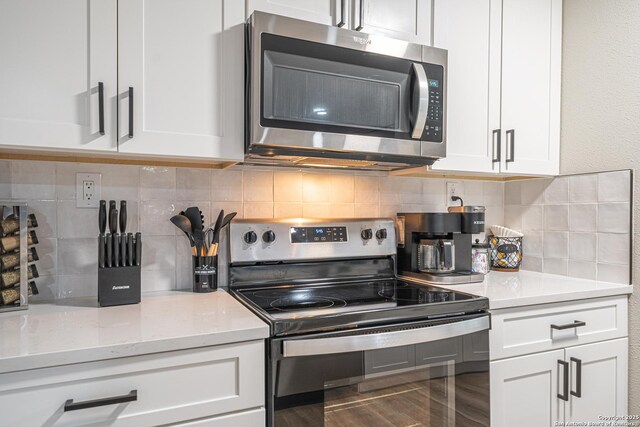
(171, 387)
(254, 418)
(526, 330)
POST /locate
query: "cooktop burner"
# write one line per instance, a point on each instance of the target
(317, 300)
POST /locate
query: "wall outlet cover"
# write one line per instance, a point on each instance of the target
(88, 190)
(454, 188)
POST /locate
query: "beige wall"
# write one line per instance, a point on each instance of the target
(601, 113)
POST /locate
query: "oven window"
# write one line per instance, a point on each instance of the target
(437, 384)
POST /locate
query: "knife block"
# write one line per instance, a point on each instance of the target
(119, 285)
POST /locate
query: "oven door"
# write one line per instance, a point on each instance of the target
(428, 374)
(317, 87)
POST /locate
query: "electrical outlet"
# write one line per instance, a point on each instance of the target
(454, 188)
(88, 190)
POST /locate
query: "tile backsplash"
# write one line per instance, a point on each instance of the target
(68, 235)
(578, 225)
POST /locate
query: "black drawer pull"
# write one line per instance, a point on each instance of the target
(575, 324)
(70, 405)
(101, 107)
(578, 362)
(565, 381)
(130, 135)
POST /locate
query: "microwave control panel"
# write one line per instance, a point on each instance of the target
(433, 129)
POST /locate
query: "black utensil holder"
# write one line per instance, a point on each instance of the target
(205, 273)
(118, 285)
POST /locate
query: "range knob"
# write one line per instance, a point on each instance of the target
(366, 234)
(381, 234)
(268, 236)
(250, 237)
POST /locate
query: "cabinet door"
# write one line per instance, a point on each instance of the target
(329, 12)
(182, 60)
(54, 54)
(524, 390)
(531, 55)
(603, 378)
(470, 31)
(408, 20)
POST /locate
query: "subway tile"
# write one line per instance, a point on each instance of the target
(158, 280)
(33, 180)
(155, 218)
(613, 248)
(614, 186)
(77, 256)
(613, 273)
(389, 210)
(493, 193)
(46, 214)
(614, 217)
(72, 222)
(47, 288)
(228, 207)
(583, 246)
(583, 269)
(5, 179)
(434, 191)
(77, 286)
(258, 210)
(513, 193)
(342, 210)
(532, 218)
(493, 216)
(532, 244)
(316, 188)
(226, 186)
(119, 182)
(583, 217)
(367, 210)
(532, 191)
(411, 189)
(47, 250)
(367, 189)
(316, 210)
(159, 253)
(257, 186)
(512, 217)
(287, 187)
(531, 263)
(556, 217)
(473, 192)
(410, 208)
(342, 188)
(583, 188)
(287, 210)
(157, 183)
(556, 244)
(193, 184)
(555, 266)
(557, 191)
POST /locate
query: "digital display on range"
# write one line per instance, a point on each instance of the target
(318, 234)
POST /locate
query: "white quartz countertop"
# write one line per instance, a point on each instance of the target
(506, 290)
(74, 331)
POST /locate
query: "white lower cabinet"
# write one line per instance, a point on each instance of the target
(566, 363)
(199, 384)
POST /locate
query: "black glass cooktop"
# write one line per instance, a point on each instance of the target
(291, 302)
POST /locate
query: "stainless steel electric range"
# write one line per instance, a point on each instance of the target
(350, 343)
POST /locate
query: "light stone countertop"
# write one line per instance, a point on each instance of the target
(75, 331)
(506, 290)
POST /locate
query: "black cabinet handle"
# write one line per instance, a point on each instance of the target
(578, 392)
(130, 112)
(565, 381)
(361, 24)
(342, 7)
(575, 324)
(70, 405)
(101, 106)
(511, 138)
(497, 146)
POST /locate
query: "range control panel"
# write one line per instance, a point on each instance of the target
(305, 239)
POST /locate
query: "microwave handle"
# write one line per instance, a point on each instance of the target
(364, 342)
(423, 101)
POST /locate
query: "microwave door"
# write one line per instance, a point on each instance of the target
(420, 101)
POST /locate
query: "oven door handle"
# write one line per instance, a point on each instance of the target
(423, 101)
(373, 341)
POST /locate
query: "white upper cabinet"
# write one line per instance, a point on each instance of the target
(320, 11)
(53, 57)
(408, 20)
(182, 61)
(470, 31)
(531, 70)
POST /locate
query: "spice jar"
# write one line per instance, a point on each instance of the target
(480, 261)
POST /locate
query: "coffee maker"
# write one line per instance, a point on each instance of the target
(436, 247)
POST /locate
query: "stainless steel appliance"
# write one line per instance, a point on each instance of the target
(319, 95)
(437, 247)
(350, 343)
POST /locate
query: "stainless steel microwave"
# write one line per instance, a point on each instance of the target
(318, 95)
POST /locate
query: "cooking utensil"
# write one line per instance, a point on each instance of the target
(195, 216)
(183, 223)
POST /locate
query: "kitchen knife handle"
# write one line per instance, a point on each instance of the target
(101, 107)
(138, 249)
(123, 216)
(113, 224)
(123, 249)
(102, 216)
(130, 249)
(116, 250)
(101, 251)
(130, 112)
(109, 250)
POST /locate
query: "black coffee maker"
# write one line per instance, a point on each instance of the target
(436, 247)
